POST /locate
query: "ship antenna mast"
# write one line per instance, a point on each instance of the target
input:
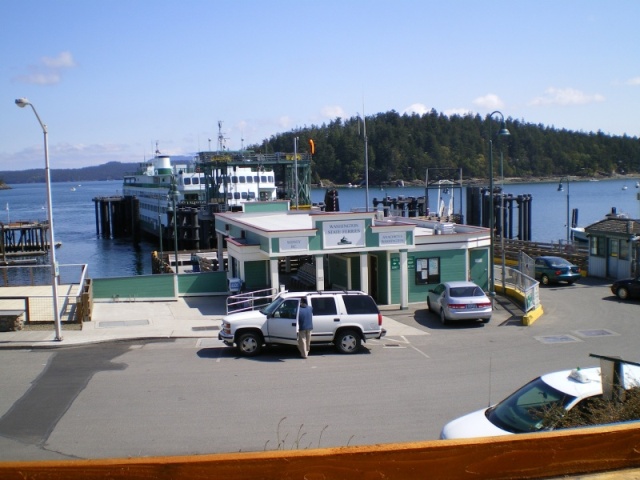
(221, 137)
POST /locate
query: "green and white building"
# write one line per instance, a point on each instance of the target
(394, 259)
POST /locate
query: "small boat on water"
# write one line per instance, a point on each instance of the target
(637, 184)
(624, 187)
(578, 234)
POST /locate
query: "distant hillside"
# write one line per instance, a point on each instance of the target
(107, 171)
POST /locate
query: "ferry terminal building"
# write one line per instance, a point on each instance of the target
(394, 259)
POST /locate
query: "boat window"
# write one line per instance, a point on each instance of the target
(244, 195)
(196, 181)
(249, 179)
(236, 195)
(229, 195)
(270, 177)
(241, 179)
(234, 179)
(256, 179)
(252, 195)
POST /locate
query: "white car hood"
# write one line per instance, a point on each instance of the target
(472, 425)
(251, 317)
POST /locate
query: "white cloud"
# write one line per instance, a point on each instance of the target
(457, 111)
(63, 60)
(634, 81)
(40, 78)
(284, 122)
(332, 111)
(489, 101)
(419, 108)
(565, 97)
(48, 71)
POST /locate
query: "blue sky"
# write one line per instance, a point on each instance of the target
(110, 78)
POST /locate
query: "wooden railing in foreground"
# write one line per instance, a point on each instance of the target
(531, 456)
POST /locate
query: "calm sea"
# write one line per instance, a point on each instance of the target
(75, 227)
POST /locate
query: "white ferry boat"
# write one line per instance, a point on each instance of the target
(153, 182)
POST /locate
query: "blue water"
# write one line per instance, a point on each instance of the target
(549, 206)
(75, 226)
(74, 215)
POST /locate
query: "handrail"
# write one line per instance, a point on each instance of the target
(248, 301)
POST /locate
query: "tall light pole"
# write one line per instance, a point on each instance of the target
(561, 189)
(502, 216)
(503, 132)
(23, 102)
(173, 194)
(295, 166)
(366, 160)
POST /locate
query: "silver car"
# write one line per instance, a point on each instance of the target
(459, 301)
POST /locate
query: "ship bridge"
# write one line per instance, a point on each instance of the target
(292, 173)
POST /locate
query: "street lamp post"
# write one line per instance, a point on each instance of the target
(295, 167)
(503, 132)
(174, 197)
(502, 216)
(366, 161)
(561, 189)
(23, 102)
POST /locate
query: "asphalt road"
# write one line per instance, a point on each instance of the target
(191, 396)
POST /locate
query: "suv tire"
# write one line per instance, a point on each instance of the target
(348, 341)
(249, 344)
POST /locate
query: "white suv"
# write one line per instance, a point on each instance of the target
(344, 319)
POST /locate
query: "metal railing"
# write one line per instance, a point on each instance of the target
(39, 308)
(517, 279)
(244, 302)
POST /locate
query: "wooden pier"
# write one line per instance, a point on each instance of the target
(22, 242)
(117, 217)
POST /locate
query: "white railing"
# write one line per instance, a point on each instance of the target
(243, 302)
(517, 280)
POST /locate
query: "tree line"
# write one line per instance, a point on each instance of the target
(405, 146)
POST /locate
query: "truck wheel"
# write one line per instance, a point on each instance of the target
(249, 344)
(348, 341)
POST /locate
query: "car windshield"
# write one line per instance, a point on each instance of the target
(471, 291)
(272, 307)
(523, 411)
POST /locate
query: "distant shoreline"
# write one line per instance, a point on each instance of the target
(485, 181)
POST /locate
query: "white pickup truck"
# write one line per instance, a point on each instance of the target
(342, 318)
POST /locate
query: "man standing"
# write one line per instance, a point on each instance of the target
(305, 325)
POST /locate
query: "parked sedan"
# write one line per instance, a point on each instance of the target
(627, 288)
(556, 269)
(459, 301)
(523, 410)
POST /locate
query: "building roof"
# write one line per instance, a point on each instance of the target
(617, 226)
